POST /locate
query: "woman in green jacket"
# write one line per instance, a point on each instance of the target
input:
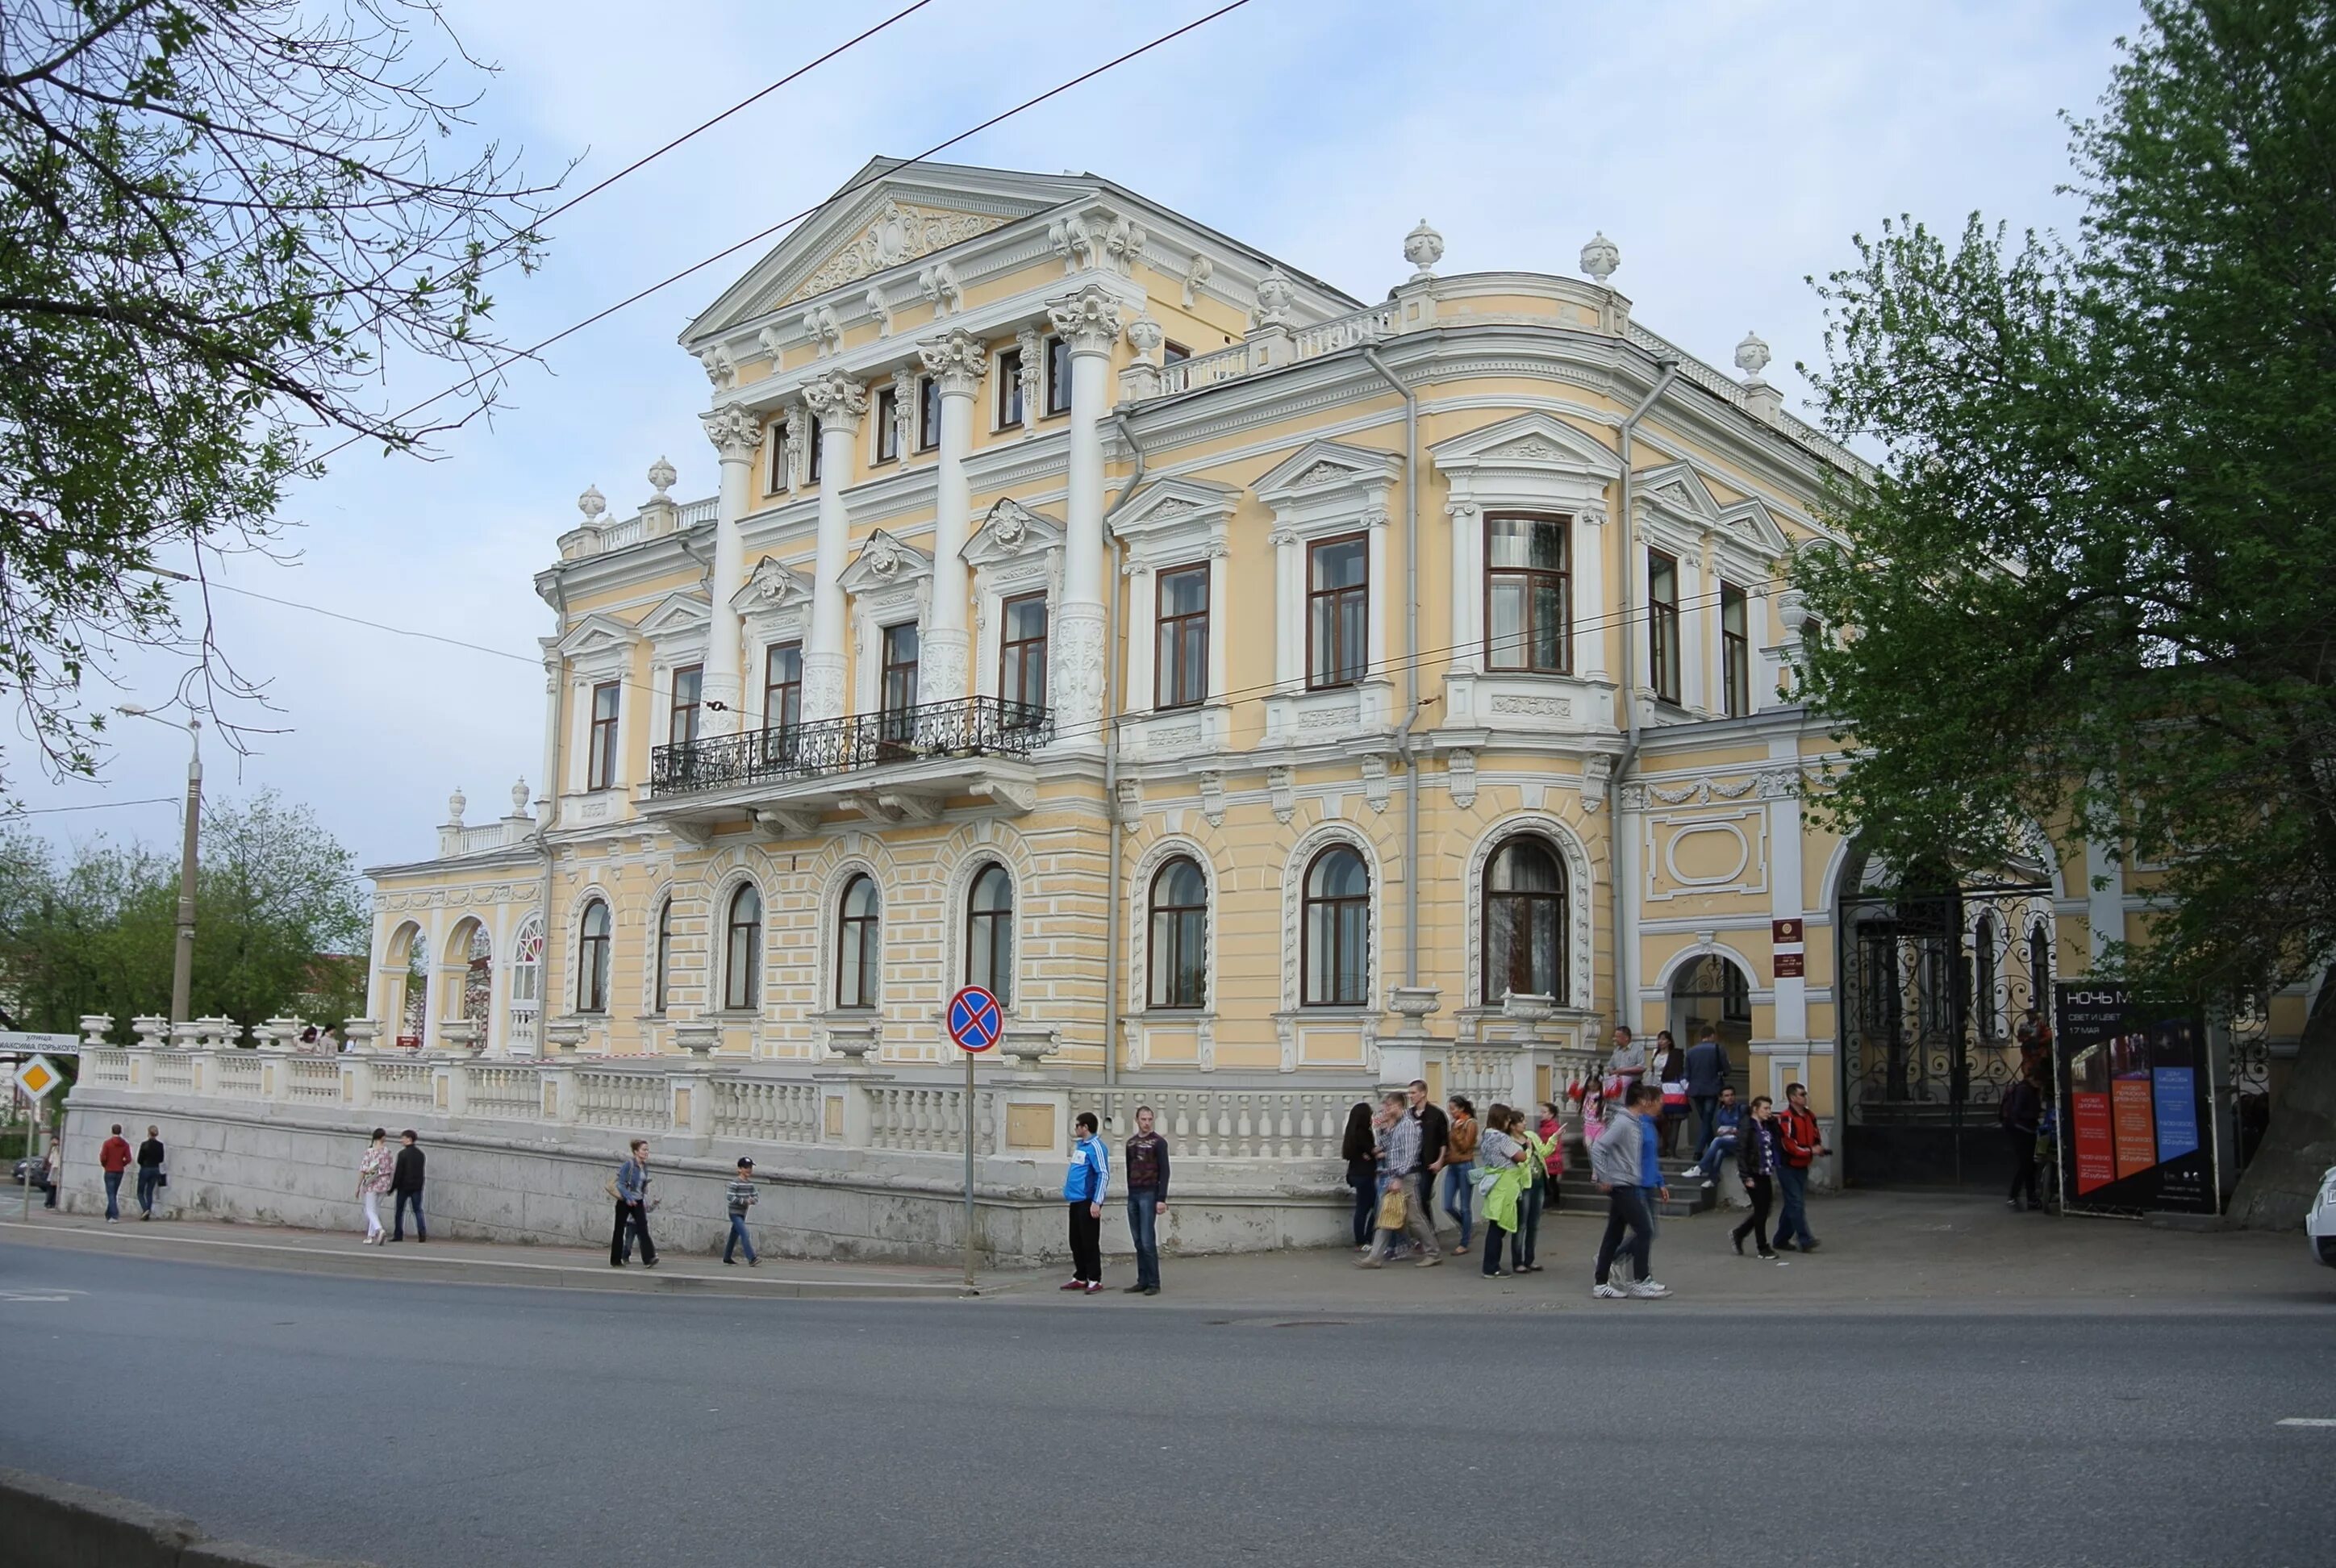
(1503, 1176)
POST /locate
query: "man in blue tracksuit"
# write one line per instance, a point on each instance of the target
(1627, 1166)
(1083, 1186)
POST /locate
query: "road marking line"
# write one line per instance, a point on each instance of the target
(2305, 1421)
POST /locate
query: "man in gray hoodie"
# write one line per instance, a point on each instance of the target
(1623, 1163)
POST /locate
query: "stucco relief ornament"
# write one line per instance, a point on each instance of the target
(825, 328)
(1197, 273)
(884, 559)
(718, 368)
(1423, 248)
(1088, 320)
(1072, 240)
(734, 433)
(591, 504)
(661, 478)
(837, 401)
(1275, 294)
(956, 361)
(1600, 258)
(1123, 243)
(938, 284)
(1008, 528)
(879, 309)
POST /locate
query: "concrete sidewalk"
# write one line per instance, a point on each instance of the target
(1900, 1252)
(455, 1261)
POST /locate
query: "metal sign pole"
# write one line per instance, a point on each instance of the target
(969, 1168)
(32, 1139)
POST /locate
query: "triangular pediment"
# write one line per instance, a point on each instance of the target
(1679, 489)
(596, 633)
(1752, 523)
(890, 214)
(1175, 503)
(884, 563)
(770, 586)
(1326, 466)
(1010, 532)
(675, 615)
(1528, 441)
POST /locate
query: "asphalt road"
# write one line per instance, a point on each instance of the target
(431, 1424)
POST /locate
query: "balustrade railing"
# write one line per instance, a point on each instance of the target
(770, 1113)
(929, 1121)
(1238, 1123)
(405, 1085)
(971, 726)
(237, 1076)
(103, 1066)
(312, 1079)
(636, 1101)
(512, 1094)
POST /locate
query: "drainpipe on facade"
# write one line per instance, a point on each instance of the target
(543, 825)
(1115, 683)
(1625, 965)
(1410, 665)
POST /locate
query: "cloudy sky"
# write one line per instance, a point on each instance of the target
(1731, 148)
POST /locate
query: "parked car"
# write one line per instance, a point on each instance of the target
(2320, 1221)
(17, 1174)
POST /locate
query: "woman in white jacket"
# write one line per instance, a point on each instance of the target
(373, 1180)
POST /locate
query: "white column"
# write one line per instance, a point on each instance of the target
(1142, 620)
(839, 403)
(1692, 613)
(956, 363)
(1787, 900)
(1220, 586)
(1289, 612)
(1627, 824)
(1589, 609)
(1468, 638)
(1088, 323)
(737, 440)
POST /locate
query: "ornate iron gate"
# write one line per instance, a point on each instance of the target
(1935, 1008)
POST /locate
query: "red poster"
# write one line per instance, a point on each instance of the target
(2096, 1152)
(2137, 1126)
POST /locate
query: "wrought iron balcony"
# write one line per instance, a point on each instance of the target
(975, 727)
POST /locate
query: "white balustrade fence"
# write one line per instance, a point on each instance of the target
(629, 1100)
(510, 1093)
(768, 1113)
(405, 1085)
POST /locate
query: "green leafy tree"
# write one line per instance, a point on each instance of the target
(2093, 581)
(220, 222)
(277, 898)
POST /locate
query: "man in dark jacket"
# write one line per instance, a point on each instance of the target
(406, 1185)
(1147, 1200)
(2021, 1110)
(1435, 1134)
(1707, 1075)
(150, 1170)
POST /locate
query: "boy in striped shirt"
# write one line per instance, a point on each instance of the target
(742, 1197)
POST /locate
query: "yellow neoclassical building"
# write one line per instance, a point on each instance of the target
(1254, 686)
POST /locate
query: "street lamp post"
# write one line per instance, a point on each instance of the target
(182, 961)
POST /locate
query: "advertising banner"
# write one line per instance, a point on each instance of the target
(2134, 1094)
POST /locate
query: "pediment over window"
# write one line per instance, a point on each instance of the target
(1328, 467)
(1167, 504)
(677, 616)
(770, 586)
(1012, 532)
(597, 634)
(885, 562)
(1533, 443)
(1676, 492)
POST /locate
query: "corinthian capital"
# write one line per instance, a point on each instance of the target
(1088, 321)
(956, 361)
(735, 434)
(837, 399)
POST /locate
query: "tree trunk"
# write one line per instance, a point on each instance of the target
(2300, 1144)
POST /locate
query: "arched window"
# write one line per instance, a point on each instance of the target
(413, 1003)
(742, 952)
(1985, 1004)
(592, 960)
(526, 981)
(859, 944)
(478, 976)
(663, 995)
(989, 932)
(1180, 936)
(1334, 935)
(1525, 921)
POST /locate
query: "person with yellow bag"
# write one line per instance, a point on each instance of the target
(1504, 1172)
(1403, 1204)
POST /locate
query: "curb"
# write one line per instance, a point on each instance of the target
(56, 1525)
(441, 1270)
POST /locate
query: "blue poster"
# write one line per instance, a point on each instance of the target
(2178, 1112)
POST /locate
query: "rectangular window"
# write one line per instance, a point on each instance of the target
(783, 686)
(928, 415)
(1180, 678)
(1662, 626)
(1338, 611)
(1173, 353)
(1022, 653)
(888, 424)
(1734, 651)
(1009, 389)
(1528, 585)
(778, 479)
(1058, 377)
(681, 720)
(897, 693)
(600, 745)
(811, 458)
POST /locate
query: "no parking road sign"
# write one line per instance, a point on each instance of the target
(975, 1020)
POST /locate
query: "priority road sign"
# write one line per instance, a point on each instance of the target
(975, 1020)
(37, 1078)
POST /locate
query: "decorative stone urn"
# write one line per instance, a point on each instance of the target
(853, 1042)
(361, 1033)
(187, 1034)
(1025, 1044)
(463, 1035)
(280, 1034)
(564, 1036)
(1529, 1011)
(699, 1039)
(152, 1031)
(94, 1027)
(216, 1034)
(1412, 1004)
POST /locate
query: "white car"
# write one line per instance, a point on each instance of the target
(2320, 1221)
